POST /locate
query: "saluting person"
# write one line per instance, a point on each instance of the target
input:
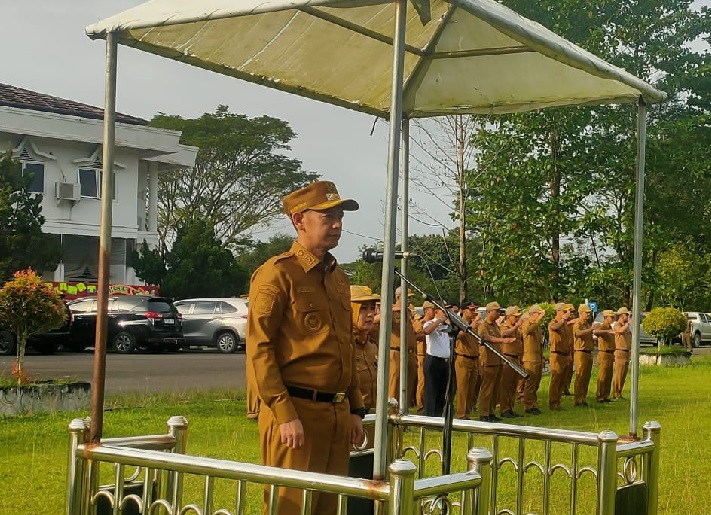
(582, 331)
(623, 344)
(605, 355)
(396, 347)
(560, 354)
(511, 328)
(532, 358)
(490, 332)
(300, 342)
(466, 366)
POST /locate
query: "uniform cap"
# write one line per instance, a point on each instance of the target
(469, 305)
(584, 308)
(513, 310)
(623, 310)
(318, 196)
(559, 307)
(362, 294)
(427, 304)
(570, 307)
(608, 313)
(491, 306)
(398, 292)
(536, 309)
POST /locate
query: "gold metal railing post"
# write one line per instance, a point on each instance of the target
(480, 460)
(606, 472)
(652, 431)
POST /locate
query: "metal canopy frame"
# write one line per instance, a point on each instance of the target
(399, 133)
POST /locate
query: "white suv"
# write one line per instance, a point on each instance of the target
(220, 323)
(700, 327)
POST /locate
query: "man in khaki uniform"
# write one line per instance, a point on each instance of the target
(623, 344)
(300, 342)
(582, 330)
(560, 354)
(532, 358)
(511, 328)
(605, 355)
(570, 340)
(466, 367)
(396, 347)
(252, 393)
(490, 363)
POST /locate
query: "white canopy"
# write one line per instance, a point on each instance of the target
(475, 56)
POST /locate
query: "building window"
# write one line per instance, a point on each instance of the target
(36, 170)
(90, 181)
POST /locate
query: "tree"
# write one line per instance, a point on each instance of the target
(28, 305)
(252, 254)
(664, 323)
(240, 175)
(22, 241)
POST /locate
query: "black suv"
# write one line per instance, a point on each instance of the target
(135, 321)
(44, 343)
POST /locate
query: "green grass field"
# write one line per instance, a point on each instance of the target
(33, 449)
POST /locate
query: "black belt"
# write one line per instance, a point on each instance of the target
(437, 357)
(561, 353)
(606, 351)
(512, 355)
(623, 350)
(315, 395)
(585, 351)
(398, 350)
(468, 357)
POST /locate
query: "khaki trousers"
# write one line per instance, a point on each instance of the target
(568, 377)
(620, 374)
(531, 383)
(394, 378)
(559, 363)
(489, 392)
(327, 432)
(605, 361)
(467, 372)
(420, 395)
(507, 389)
(583, 369)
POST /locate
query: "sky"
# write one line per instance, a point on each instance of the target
(58, 59)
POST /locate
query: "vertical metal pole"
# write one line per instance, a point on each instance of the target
(402, 488)
(75, 468)
(652, 432)
(404, 302)
(637, 281)
(380, 459)
(99, 377)
(480, 459)
(172, 488)
(606, 472)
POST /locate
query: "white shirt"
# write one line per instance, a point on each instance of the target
(437, 340)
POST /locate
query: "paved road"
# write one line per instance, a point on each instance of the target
(142, 372)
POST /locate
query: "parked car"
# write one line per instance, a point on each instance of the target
(644, 337)
(135, 321)
(700, 327)
(44, 343)
(219, 322)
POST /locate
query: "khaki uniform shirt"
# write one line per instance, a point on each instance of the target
(582, 342)
(366, 357)
(420, 336)
(299, 330)
(532, 342)
(466, 345)
(558, 341)
(623, 343)
(395, 337)
(568, 336)
(515, 348)
(486, 330)
(605, 342)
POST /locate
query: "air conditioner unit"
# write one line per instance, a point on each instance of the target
(67, 190)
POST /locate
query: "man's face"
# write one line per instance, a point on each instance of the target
(492, 315)
(624, 317)
(467, 314)
(584, 315)
(319, 229)
(609, 319)
(429, 313)
(365, 315)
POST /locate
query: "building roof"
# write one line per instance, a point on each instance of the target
(21, 98)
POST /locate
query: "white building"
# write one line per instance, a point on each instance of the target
(60, 141)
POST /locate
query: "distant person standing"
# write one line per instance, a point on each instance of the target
(560, 355)
(605, 355)
(569, 338)
(532, 358)
(397, 346)
(582, 330)
(511, 328)
(466, 366)
(417, 323)
(436, 362)
(491, 363)
(623, 344)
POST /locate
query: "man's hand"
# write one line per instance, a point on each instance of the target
(356, 430)
(292, 433)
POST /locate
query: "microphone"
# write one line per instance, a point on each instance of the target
(376, 256)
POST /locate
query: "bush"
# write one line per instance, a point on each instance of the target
(664, 323)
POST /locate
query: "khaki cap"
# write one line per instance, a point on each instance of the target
(569, 307)
(584, 308)
(559, 307)
(427, 304)
(362, 294)
(623, 310)
(491, 306)
(608, 313)
(536, 309)
(318, 196)
(513, 310)
(398, 292)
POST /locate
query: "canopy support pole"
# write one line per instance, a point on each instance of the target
(637, 281)
(380, 464)
(99, 376)
(404, 301)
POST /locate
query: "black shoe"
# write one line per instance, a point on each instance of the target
(606, 400)
(567, 394)
(484, 419)
(533, 411)
(508, 414)
(494, 418)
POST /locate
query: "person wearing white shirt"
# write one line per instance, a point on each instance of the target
(436, 367)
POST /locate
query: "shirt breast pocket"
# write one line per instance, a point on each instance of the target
(311, 314)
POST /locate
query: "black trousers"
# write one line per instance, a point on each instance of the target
(436, 376)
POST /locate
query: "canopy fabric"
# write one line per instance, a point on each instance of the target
(475, 56)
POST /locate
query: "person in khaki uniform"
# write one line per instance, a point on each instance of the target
(511, 328)
(417, 322)
(570, 339)
(252, 393)
(532, 358)
(466, 367)
(605, 355)
(582, 330)
(560, 355)
(366, 350)
(396, 347)
(490, 363)
(300, 342)
(623, 344)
